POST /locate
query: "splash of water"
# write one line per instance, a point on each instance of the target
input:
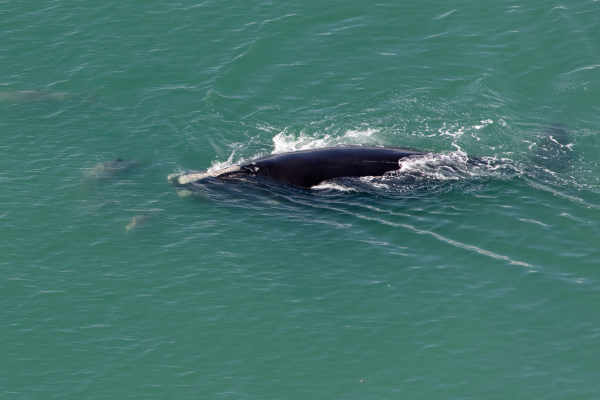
(285, 142)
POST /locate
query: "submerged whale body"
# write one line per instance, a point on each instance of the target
(308, 168)
(553, 149)
(109, 168)
(24, 96)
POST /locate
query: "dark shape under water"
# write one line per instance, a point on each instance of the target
(553, 151)
(110, 168)
(138, 221)
(38, 95)
(308, 168)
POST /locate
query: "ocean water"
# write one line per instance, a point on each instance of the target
(462, 283)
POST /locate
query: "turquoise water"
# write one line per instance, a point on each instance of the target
(476, 284)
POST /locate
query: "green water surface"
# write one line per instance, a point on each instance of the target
(113, 286)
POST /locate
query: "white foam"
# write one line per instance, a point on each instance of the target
(454, 130)
(443, 167)
(360, 134)
(375, 182)
(221, 165)
(287, 142)
(328, 185)
(450, 167)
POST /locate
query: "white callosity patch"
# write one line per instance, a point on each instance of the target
(194, 177)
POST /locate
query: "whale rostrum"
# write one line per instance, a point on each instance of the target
(198, 176)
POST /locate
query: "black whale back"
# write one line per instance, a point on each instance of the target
(308, 168)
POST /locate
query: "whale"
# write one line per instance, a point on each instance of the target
(109, 169)
(24, 96)
(552, 149)
(308, 168)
